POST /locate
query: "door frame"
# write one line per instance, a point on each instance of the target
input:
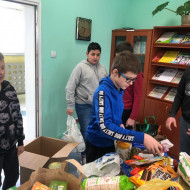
(38, 85)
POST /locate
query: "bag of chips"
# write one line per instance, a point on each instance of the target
(156, 170)
(158, 184)
(184, 167)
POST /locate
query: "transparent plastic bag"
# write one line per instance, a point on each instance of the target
(73, 134)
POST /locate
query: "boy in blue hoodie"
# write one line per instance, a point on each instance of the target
(105, 124)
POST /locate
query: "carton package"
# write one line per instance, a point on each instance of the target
(46, 176)
(40, 153)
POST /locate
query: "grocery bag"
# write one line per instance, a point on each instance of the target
(45, 176)
(151, 129)
(73, 134)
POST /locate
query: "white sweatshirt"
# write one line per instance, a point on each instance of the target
(83, 82)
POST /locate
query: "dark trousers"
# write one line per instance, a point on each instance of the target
(94, 152)
(184, 139)
(125, 116)
(9, 163)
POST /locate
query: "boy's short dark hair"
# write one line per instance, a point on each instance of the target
(127, 62)
(1, 56)
(124, 46)
(94, 46)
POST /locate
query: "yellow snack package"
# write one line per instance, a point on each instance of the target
(158, 184)
(156, 170)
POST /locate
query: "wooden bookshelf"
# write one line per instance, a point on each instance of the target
(159, 107)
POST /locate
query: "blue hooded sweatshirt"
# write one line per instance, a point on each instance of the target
(104, 126)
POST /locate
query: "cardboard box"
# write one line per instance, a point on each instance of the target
(45, 176)
(40, 153)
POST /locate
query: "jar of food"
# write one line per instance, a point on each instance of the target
(123, 149)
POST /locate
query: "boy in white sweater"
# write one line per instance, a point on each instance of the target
(82, 84)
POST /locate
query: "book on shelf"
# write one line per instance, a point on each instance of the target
(176, 59)
(185, 57)
(186, 39)
(168, 74)
(176, 39)
(139, 47)
(158, 91)
(178, 76)
(169, 56)
(188, 62)
(158, 73)
(171, 94)
(158, 57)
(165, 37)
(165, 74)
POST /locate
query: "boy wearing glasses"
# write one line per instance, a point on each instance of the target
(105, 124)
(133, 94)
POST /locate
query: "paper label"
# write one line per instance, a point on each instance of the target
(110, 182)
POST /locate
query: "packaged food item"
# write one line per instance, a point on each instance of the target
(39, 186)
(142, 162)
(166, 145)
(158, 184)
(123, 149)
(126, 169)
(136, 149)
(54, 165)
(136, 170)
(156, 170)
(109, 164)
(107, 183)
(146, 155)
(184, 167)
(58, 185)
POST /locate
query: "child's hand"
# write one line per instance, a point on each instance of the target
(170, 121)
(70, 112)
(188, 132)
(130, 122)
(20, 150)
(122, 126)
(152, 145)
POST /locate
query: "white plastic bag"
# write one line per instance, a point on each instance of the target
(109, 164)
(73, 134)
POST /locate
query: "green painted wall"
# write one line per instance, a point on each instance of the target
(139, 15)
(58, 34)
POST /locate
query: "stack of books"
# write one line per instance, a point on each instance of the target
(171, 94)
(165, 74)
(173, 37)
(158, 91)
(175, 57)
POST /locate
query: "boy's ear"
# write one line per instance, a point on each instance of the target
(115, 72)
(87, 54)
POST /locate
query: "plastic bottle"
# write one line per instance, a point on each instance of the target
(107, 182)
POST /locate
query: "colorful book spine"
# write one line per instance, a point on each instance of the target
(186, 39)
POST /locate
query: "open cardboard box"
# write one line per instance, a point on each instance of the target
(45, 176)
(40, 153)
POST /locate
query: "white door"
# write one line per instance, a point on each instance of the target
(19, 39)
